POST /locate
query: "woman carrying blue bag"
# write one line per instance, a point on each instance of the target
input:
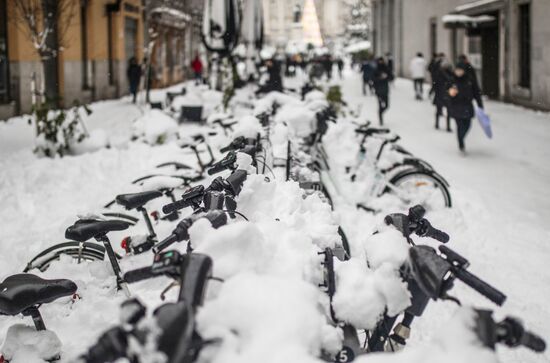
(462, 91)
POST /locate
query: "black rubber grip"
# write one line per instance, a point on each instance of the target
(227, 148)
(170, 240)
(175, 206)
(139, 274)
(216, 169)
(480, 286)
(236, 181)
(437, 234)
(533, 342)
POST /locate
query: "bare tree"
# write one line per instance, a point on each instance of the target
(45, 22)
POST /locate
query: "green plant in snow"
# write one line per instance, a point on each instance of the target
(58, 129)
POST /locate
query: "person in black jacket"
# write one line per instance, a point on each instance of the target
(441, 79)
(134, 75)
(462, 91)
(470, 71)
(381, 81)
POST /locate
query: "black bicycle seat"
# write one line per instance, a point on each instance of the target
(136, 200)
(84, 229)
(22, 291)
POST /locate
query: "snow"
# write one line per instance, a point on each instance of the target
(269, 307)
(155, 127)
(358, 46)
(501, 204)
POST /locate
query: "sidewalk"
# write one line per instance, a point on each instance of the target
(501, 189)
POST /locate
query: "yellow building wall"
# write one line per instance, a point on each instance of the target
(21, 49)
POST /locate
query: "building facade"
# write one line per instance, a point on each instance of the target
(100, 37)
(507, 41)
(173, 39)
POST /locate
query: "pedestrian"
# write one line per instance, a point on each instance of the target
(197, 67)
(442, 76)
(391, 67)
(417, 68)
(340, 63)
(462, 92)
(274, 81)
(381, 81)
(470, 71)
(433, 65)
(134, 76)
(327, 65)
(367, 69)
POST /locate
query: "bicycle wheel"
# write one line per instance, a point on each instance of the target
(85, 251)
(421, 187)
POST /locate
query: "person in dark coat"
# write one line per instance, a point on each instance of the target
(470, 71)
(433, 66)
(367, 69)
(462, 91)
(340, 63)
(441, 80)
(134, 75)
(381, 81)
(274, 81)
(391, 67)
(327, 65)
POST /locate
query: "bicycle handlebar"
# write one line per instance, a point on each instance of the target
(168, 241)
(415, 222)
(216, 217)
(139, 274)
(509, 331)
(227, 162)
(480, 286)
(370, 131)
(533, 342)
(425, 229)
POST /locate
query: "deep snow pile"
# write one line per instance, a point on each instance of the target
(269, 307)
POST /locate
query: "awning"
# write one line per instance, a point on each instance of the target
(466, 21)
(479, 6)
(358, 47)
(170, 17)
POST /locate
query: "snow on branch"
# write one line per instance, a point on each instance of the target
(43, 19)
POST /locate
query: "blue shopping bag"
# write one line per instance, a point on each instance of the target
(485, 122)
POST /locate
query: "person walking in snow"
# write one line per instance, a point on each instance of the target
(433, 65)
(441, 80)
(367, 70)
(327, 65)
(462, 92)
(470, 71)
(381, 81)
(197, 67)
(340, 63)
(417, 68)
(391, 67)
(134, 76)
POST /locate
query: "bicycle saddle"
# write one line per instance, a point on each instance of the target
(136, 200)
(22, 291)
(84, 229)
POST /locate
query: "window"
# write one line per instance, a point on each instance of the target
(84, 44)
(433, 35)
(524, 46)
(4, 61)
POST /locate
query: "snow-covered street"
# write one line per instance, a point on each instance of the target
(500, 188)
(499, 221)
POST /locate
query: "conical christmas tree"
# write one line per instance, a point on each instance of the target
(310, 24)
